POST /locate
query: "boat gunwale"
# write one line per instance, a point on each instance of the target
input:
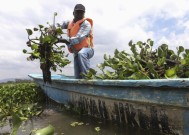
(174, 83)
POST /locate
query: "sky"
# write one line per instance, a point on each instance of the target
(116, 22)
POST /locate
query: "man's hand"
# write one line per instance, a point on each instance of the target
(61, 40)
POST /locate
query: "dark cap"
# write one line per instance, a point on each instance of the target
(79, 7)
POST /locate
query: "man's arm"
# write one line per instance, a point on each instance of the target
(64, 25)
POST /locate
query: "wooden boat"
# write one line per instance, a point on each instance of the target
(160, 105)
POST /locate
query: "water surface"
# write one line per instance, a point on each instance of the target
(62, 121)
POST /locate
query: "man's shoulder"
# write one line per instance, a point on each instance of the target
(86, 22)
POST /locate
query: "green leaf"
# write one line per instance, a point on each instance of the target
(101, 66)
(173, 57)
(133, 49)
(34, 47)
(187, 51)
(100, 76)
(148, 48)
(114, 66)
(16, 123)
(36, 54)
(150, 64)
(97, 129)
(106, 63)
(164, 47)
(35, 29)
(46, 39)
(59, 31)
(139, 43)
(29, 31)
(137, 58)
(24, 51)
(42, 60)
(116, 52)
(174, 76)
(105, 57)
(187, 73)
(123, 55)
(160, 52)
(41, 26)
(49, 130)
(135, 67)
(108, 74)
(92, 71)
(2, 116)
(183, 62)
(161, 61)
(80, 123)
(115, 60)
(138, 75)
(73, 124)
(181, 49)
(130, 43)
(150, 42)
(170, 72)
(187, 61)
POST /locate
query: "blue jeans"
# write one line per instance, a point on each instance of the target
(82, 61)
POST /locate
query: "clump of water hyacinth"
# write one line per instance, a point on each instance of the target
(143, 63)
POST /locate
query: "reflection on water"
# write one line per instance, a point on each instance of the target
(61, 120)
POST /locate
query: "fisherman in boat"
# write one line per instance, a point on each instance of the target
(79, 40)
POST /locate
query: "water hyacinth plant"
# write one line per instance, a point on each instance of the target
(144, 63)
(46, 49)
(19, 102)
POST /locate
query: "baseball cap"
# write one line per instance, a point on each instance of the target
(79, 7)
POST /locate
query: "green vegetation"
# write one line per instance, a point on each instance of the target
(144, 63)
(19, 102)
(49, 130)
(73, 124)
(45, 48)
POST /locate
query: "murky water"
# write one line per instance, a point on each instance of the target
(62, 121)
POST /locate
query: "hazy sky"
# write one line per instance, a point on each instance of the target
(116, 22)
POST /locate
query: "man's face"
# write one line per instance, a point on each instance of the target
(78, 15)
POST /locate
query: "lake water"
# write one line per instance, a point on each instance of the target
(62, 121)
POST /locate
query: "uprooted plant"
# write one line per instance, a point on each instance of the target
(144, 63)
(45, 48)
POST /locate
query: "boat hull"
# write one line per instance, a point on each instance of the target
(158, 105)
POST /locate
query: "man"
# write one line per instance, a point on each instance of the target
(80, 40)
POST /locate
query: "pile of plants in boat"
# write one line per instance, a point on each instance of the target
(43, 43)
(19, 102)
(144, 63)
